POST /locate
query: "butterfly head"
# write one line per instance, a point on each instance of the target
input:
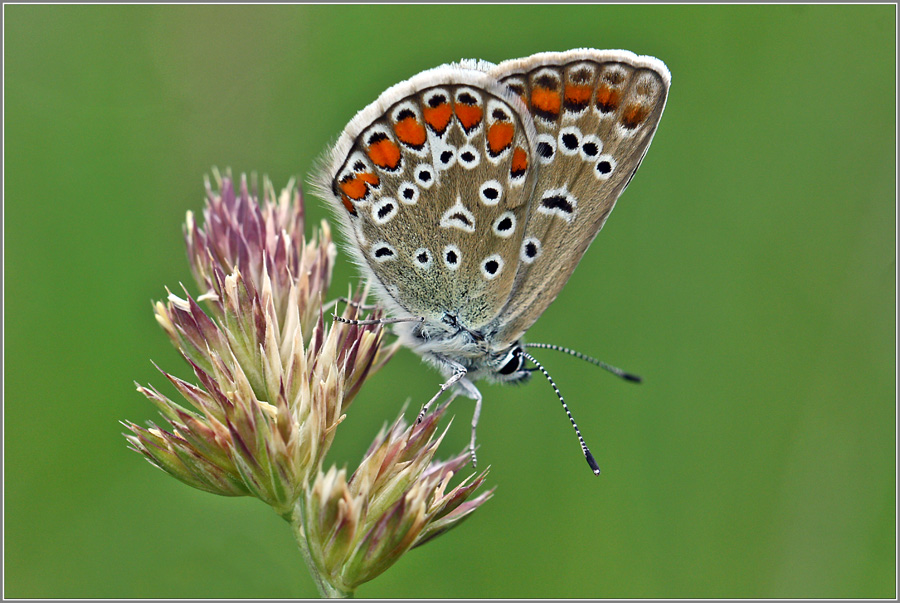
(509, 366)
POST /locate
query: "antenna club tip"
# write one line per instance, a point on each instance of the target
(632, 378)
(590, 459)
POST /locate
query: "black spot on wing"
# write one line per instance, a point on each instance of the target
(557, 202)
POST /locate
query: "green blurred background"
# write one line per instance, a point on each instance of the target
(748, 274)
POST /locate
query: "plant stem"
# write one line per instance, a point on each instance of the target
(326, 589)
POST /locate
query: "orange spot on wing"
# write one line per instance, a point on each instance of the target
(545, 100)
(607, 99)
(369, 178)
(356, 187)
(437, 117)
(468, 115)
(519, 162)
(578, 94)
(633, 116)
(410, 131)
(385, 154)
(348, 204)
(500, 136)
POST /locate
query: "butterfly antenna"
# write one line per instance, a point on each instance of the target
(584, 449)
(612, 369)
(377, 321)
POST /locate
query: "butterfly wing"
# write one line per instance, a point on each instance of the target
(432, 183)
(595, 113)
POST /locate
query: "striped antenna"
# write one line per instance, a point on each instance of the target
(584, 449)
(615, 371)
(378, 321)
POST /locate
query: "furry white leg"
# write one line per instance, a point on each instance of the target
(459, 371)
(453, 395)
(474, 425)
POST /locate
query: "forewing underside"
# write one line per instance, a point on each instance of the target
(435, 187)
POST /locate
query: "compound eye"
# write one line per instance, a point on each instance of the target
(512, 365)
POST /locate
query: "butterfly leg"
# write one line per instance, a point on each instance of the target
(459, 371)
(468, 388)
(474, 425)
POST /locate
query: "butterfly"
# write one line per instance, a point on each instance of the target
(469, 193)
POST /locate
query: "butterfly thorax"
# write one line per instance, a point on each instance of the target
(448, 344)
